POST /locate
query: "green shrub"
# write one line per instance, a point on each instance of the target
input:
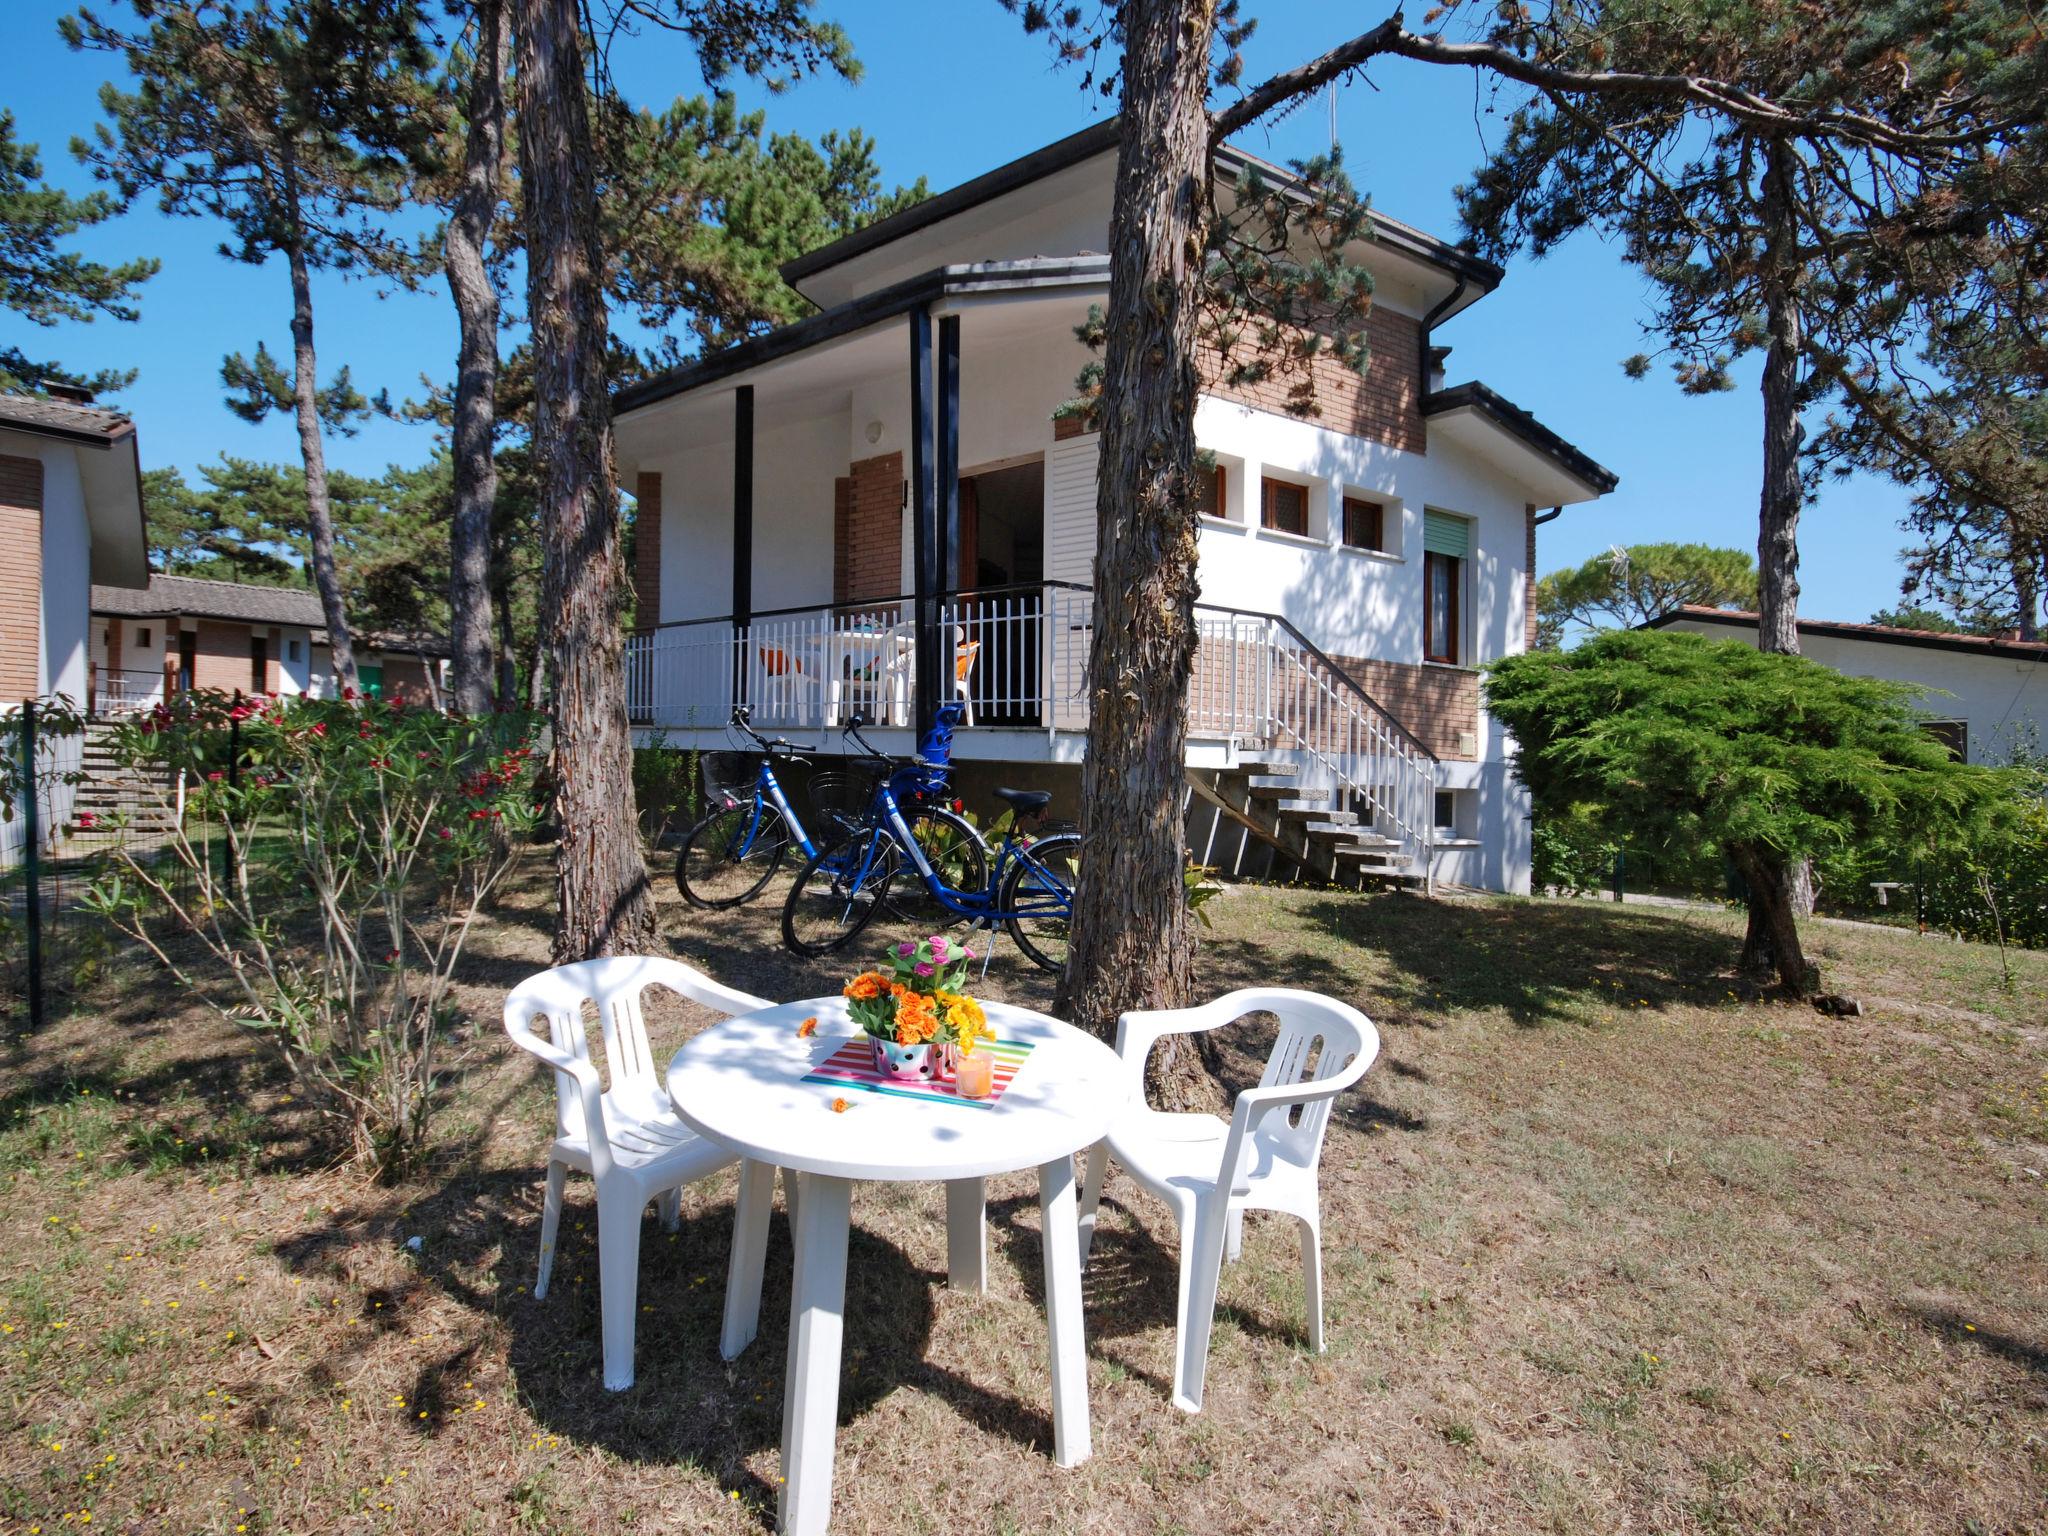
(360, 840)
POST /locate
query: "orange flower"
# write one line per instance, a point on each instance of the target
(839, 1106)
(808, 1028)
(867, 984)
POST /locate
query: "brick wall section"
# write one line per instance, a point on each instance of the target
(873, 546)
(1383, 404)
(222, 657)
(1529, 585)
(21, 576)
(647, 551)
(842, 539)
(1436, 703)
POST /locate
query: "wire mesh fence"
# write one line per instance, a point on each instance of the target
(68, 800)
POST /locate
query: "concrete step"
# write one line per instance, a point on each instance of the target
(1274, 787)
(1316, 815)
(1248, 766)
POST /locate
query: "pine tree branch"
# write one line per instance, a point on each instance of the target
(1759, 113)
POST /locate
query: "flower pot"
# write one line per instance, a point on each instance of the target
(908, 1062)
(942, 1062)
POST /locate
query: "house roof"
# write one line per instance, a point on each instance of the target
(204, 599)
(245, 603)
(93, 424)
(1519, 424)
(1880, 634)
(1098, 139)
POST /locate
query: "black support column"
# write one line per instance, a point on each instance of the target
(742, 532)
(924, 533)
(949, 470)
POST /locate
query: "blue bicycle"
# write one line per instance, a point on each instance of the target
(727, 857)
(928, 865)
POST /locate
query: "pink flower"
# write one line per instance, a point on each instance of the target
(214, 777)
(938, 948)
(922, 969)
(319, 727)
(906, 949)
(241, 712)
(87, 820)
(445, 833)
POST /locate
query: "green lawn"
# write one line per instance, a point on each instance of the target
(1611, 1247)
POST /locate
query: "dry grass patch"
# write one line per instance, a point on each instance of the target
(1611, 1247)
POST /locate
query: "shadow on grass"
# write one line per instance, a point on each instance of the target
(1538, 962)
(687, 1406)
(1956, 1331)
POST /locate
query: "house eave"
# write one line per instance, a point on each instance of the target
(1477, 400)
(974, 279)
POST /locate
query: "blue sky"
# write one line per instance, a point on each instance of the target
(952, 88)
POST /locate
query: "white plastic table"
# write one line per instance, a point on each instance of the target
(739, 1083)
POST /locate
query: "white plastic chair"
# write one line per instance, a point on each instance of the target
(1210, 1172)
(626, 1137)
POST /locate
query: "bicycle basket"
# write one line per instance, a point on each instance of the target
(729, 777)
(840, 798)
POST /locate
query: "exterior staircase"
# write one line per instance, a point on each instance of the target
(1318, 769)
(110, 790)
(1268, 799)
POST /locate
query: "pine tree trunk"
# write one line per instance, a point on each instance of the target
(1133, 946)
(508, 653)
(476, 378)
(603, 904)
(1771, 943)
(1777, 543)
(319, 512)
(2027, 561)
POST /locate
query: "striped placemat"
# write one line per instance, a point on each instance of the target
(853, 1066)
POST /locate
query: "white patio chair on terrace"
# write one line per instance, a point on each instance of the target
(1265, 1157)
(626, 1137)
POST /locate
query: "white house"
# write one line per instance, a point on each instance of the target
(70, 516)
(874, 508)
(1985, 696)
(186, 632)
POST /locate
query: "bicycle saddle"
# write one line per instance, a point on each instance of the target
(1025, 802)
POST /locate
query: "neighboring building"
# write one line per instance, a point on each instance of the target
(70, 517)
(798, 496)
(1988, 695)
(184, 632)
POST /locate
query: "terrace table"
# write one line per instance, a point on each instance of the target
(739, 1083)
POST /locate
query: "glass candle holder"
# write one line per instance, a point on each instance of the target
(975, 1078)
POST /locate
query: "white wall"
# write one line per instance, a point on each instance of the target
(2000, 697)
(67, 573)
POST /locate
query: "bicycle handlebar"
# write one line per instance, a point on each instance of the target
(741, 721)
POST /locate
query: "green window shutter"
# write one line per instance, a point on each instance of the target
(1442, 535)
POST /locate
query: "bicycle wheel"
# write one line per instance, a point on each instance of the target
(957, 856)
(1038, 896)
(838, 892)
(728, 856)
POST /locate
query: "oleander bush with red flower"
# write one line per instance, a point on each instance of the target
(326, 863)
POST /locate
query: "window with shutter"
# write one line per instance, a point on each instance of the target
(1283, 507)
(1364, 524)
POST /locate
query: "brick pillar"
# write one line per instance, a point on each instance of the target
(842, 539)
(21, 578)
(1529, 584)
(874, 528)
(647, 552)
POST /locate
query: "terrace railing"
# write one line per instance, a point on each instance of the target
(117, 693)
(1020, 659)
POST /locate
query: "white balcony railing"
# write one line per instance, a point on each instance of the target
(1020, 658)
